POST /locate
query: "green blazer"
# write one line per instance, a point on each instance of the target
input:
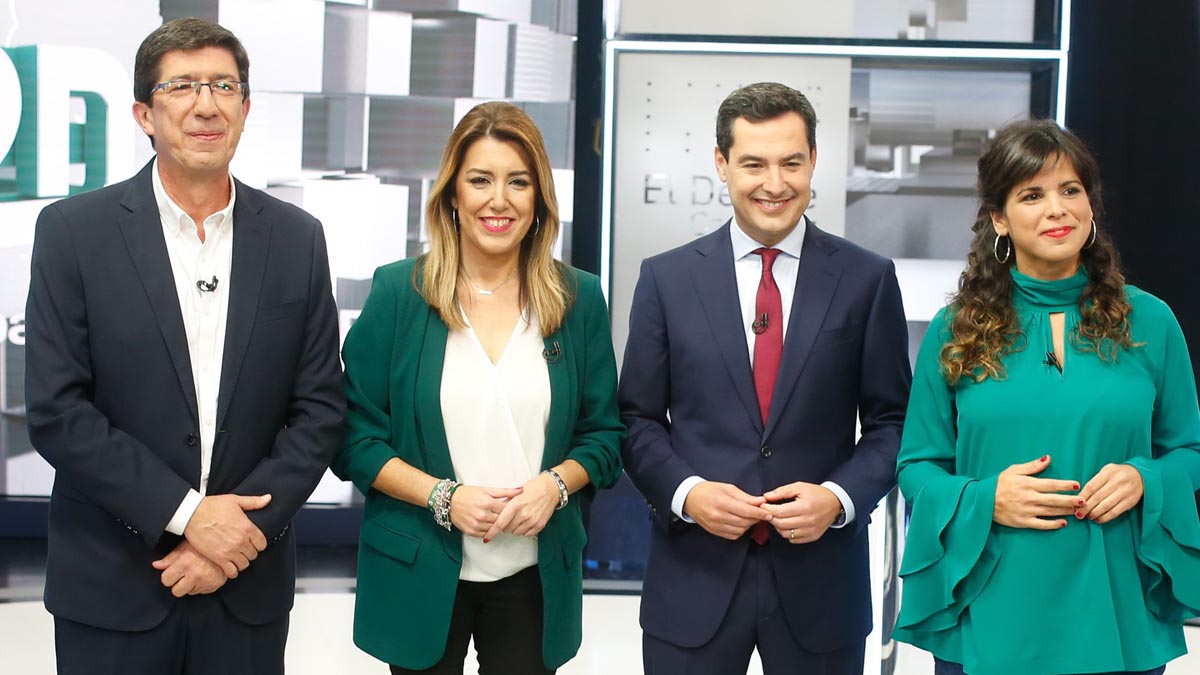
(408, 567)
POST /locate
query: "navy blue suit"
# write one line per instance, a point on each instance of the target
(112, 405)
(687, 396)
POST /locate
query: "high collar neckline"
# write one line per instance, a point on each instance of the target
(1036, 293)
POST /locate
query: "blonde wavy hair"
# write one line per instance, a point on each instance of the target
(544, 285)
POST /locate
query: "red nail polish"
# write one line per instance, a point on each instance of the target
(1079, 515)
(1045, 457)
(1076, 486)
(1080, 502)
(1063, 524)
(486, 540)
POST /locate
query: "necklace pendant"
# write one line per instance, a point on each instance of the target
(483, 291)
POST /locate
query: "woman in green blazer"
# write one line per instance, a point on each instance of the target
(485, 362)
(1052, 444)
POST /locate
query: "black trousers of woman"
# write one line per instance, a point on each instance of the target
(941, 667)
(505, 618)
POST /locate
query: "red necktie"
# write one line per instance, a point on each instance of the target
(768, 350)
(768, 332)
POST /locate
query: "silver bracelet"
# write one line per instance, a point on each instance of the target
(562, 488)
(439, 501)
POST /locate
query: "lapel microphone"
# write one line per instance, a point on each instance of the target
(553, 353)
(760, 326)
(207, 286)
(1052, 360)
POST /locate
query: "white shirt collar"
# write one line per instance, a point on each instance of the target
(743, 245)
(175, 219)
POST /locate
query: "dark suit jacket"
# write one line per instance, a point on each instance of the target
(408, 567)
(112, 405)
(687, 395)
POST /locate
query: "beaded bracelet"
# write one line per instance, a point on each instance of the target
(562, 488)
(439, 501)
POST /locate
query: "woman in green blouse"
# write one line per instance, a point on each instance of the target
(1052, 446)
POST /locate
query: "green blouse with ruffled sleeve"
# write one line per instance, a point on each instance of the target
(1086, 598)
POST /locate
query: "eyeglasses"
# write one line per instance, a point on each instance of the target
(221, 89)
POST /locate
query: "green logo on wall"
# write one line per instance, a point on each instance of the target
(58, 132)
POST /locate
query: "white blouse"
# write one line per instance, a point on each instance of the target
(495, 417)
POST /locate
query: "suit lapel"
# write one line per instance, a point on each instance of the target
(431, 427)
(142, 231)
(816, 281)
(251, 236)
(716, 284)
(557, 434)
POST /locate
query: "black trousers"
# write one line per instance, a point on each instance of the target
(198, 637)
(941, 667)
(754, 620)
(505, 618)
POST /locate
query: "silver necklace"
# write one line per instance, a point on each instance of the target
(484, 291)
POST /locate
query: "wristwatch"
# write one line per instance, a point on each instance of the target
(841, 518)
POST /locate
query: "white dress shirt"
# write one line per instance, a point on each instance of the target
(747, 266)
(204, 315)
(495, 417)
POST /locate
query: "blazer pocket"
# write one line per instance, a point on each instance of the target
(277, 312)
(838, 336)
(572, 546)
(389, 542)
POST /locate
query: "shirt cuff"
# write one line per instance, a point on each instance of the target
(680, 497)
(844, 498)
(179, 521)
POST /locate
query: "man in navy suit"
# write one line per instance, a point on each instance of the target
(752, 353)
(183, 380)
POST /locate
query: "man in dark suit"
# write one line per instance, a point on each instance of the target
(752, 352)
(183, 380)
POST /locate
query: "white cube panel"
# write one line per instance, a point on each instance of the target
(365, 222)
(270, 149)
(285, 40)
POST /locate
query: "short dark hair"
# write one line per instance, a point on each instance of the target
(182, 35)
(759, 102)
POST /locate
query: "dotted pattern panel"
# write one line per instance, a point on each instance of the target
(666, 189)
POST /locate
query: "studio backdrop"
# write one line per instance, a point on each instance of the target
(351, 104)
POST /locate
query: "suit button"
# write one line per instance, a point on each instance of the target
(766, 451)
(190, 439)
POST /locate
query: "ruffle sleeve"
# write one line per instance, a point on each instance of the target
(1168, 541)
(949, 555)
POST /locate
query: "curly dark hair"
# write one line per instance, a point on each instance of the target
(983, 323)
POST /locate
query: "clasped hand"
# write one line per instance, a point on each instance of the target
(800, 512)
(219, 542)
(1039, 503)
(486, 512)
(186, 572)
